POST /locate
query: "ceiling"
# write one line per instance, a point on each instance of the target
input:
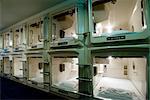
(13, 11)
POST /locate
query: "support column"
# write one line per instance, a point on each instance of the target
(1, 65)
(11, 66)
(85, 66)
(25, 67)
(147, 13)
(46, 32)
(148, 73)
(1, 13)
(46, 69)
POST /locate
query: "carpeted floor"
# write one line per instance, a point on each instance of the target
(10, 90)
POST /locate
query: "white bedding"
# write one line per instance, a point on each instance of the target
(117, 89)
(19, 76)
(117, 94)
(37, 79)
(68, 85)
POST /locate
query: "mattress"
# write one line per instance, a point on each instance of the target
(37, 79)
(19, 76)
(117, 94)
(117, 89)
(68, 85)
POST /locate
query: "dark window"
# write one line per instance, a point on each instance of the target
(62, 67)
(62, 34)
(142, 12)
(95, 70)
(133, 66)
(40, 66)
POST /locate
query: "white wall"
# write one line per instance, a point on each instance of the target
(100, 71)
(8, 39)
(34, 71)
(16, 39)
(136, 18)
(21, 40)
(23, 35)
(70, 31)
(115, 68)
(138, 76)
(68, 25)
(33, 39)
(122, 15)
(71, 69)
(6, 66)
(17, 66)
(34, 32)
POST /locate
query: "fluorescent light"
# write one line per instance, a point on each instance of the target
(10, 43)
(110, 58)
(75, 36)
(144, 27)
(109, 28)
(99, 28)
